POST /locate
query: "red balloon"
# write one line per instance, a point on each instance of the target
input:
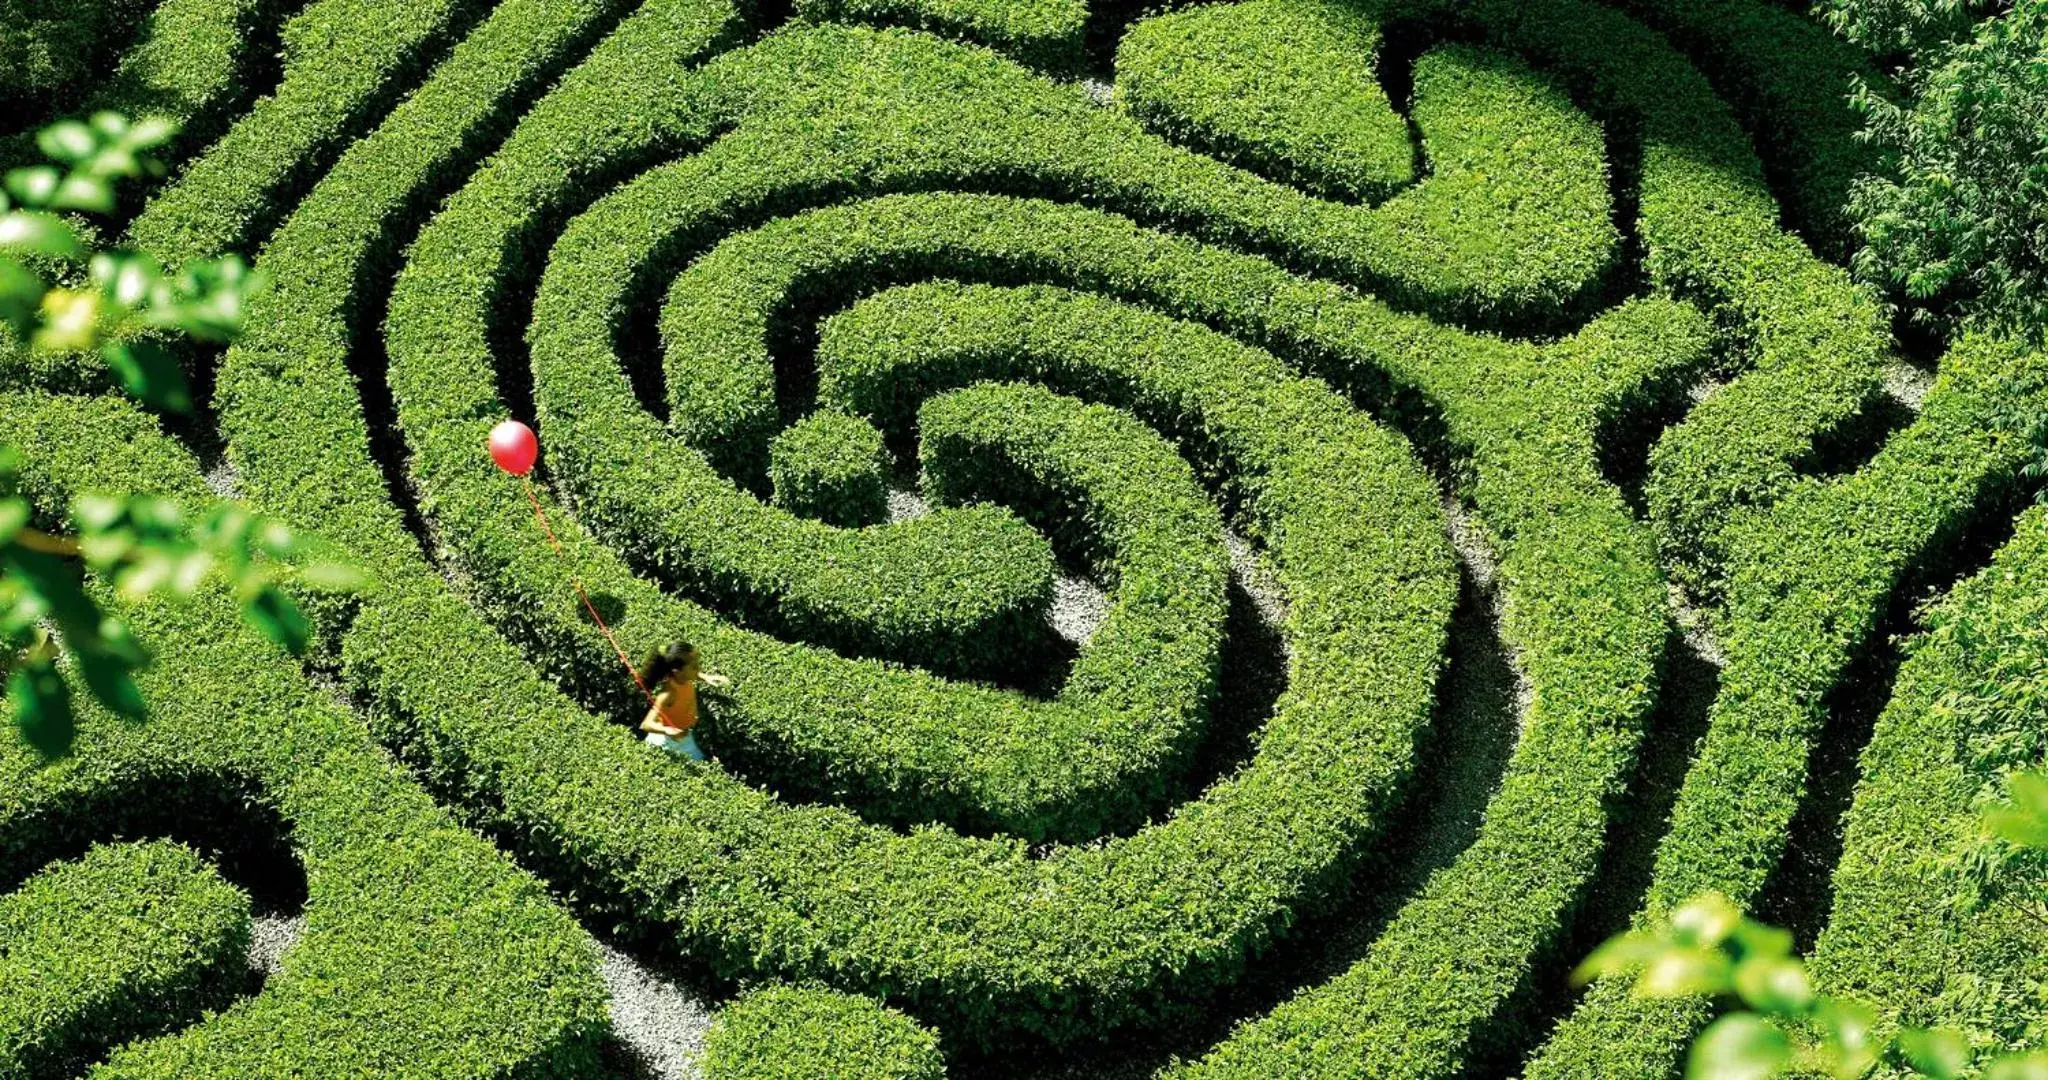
(514, 448)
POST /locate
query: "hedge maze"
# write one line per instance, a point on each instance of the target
(1241, 313)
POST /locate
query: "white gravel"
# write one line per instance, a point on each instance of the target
(1907, 384)
(271, 936)
(1477, 554)
(663, 1023)
(222, 479)
(1078, 608)
(1706, 388)
(1692, 622)
(905, 504)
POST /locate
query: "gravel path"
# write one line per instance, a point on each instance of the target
(661, 1023)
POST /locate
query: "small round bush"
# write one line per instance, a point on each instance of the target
(829, 466)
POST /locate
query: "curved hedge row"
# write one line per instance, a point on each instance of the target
(48, 55)
(995, 970)
(1790, 79)
(345, 63)
(811, 1033)
(1371, 340)
(1963, 712)
(324, 257)
(1049, 34)
(1812, 343)
(979, 935)
(1812, 583)
(131, 941)
(424, 952)
(1284, 89)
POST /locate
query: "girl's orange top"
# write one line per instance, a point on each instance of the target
(675, 708)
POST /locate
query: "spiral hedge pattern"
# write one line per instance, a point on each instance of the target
(1273, 296)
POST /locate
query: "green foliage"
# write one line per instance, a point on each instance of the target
(424, 952)
(1921, 926)
(1710, 949)
(812, 1033)
(129, 293)
(129, 942)
(341, 61)
(1283, 88)
(144, 544)
(1904, 26)
(1165, 330)
(1780, 1026)
(830, 466)
(1955, 221)
(1046, 34)
(50, 51)
(1789, 79)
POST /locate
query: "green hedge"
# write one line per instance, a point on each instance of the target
(51, 53)
(812, 1033)
(425, 953)
(1964, 710)
(131, 941)
(1283, 88)
(1790, 79)
(345, 63)
(1049, 34)
(1812, 343)
(1030, 239)
(346, 232)
(758, 888)
(830, 466)
(1813, 581)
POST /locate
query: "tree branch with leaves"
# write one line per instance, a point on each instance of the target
(122, 308)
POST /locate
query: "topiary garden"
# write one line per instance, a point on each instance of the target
(1247, 538)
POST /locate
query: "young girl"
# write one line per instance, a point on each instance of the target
(676, 672)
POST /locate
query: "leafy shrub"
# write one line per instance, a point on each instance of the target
(1042, 33)
(1812, 586)
(810, 1033)
(1955, 222)
(1286, 89)
(829, 466)
(424, 951)
(1917, 928)
(131, 941)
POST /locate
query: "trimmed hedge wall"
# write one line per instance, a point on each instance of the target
(1412, 347)
(1812, 342)
(812, 1033)
(1813, 582)
(49, 54)
(1965, 709)
(1049, 34)
(392, 667)
(128, 942)
(830, 466)
(1790, 79)
(345, 63)
(1285, 89)
(424, 952)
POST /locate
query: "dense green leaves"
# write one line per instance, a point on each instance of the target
(1955, 223)
(128, 942)
(812, 1033)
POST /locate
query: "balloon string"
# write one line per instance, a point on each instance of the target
(542, 516)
